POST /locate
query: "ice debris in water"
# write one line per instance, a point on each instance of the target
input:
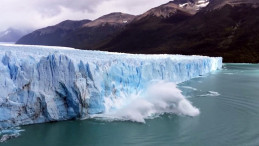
(7, 134)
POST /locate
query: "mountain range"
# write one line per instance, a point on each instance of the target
(84, 34)
(227, 28)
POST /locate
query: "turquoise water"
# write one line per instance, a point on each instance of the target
(229, 105)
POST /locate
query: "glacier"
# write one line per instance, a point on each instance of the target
(44, 84)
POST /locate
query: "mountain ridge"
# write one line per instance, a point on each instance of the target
(79, 34)
(188, 27)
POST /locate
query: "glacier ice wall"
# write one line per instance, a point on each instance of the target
(43, 84)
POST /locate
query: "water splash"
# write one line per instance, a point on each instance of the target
(159, 98)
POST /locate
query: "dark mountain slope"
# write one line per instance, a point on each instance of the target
(229, 31)
(216, 4)
(148, 30)
(94, 33)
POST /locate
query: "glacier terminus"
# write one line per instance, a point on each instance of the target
(43, 84)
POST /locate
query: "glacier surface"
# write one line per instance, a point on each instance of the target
(43, 84)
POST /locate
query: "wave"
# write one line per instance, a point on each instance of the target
(211, 93)
(188, 87)
(159, 98)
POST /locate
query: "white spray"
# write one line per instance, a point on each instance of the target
(159, 98)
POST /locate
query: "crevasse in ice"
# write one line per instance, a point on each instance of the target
(42, 84)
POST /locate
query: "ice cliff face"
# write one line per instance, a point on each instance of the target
(43, 84)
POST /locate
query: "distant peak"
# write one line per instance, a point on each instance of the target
(10, 29)
(171, 8)
(116, 18)
(116, 13)
(10, 35)
(67, 25)
(71, 22)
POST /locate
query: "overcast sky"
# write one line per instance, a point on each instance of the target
(33, 14)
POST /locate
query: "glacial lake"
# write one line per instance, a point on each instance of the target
(228, 101)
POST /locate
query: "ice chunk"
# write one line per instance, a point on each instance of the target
(7, 134)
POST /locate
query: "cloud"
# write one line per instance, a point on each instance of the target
(53, 7)
(135, 7)
(34, 14)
